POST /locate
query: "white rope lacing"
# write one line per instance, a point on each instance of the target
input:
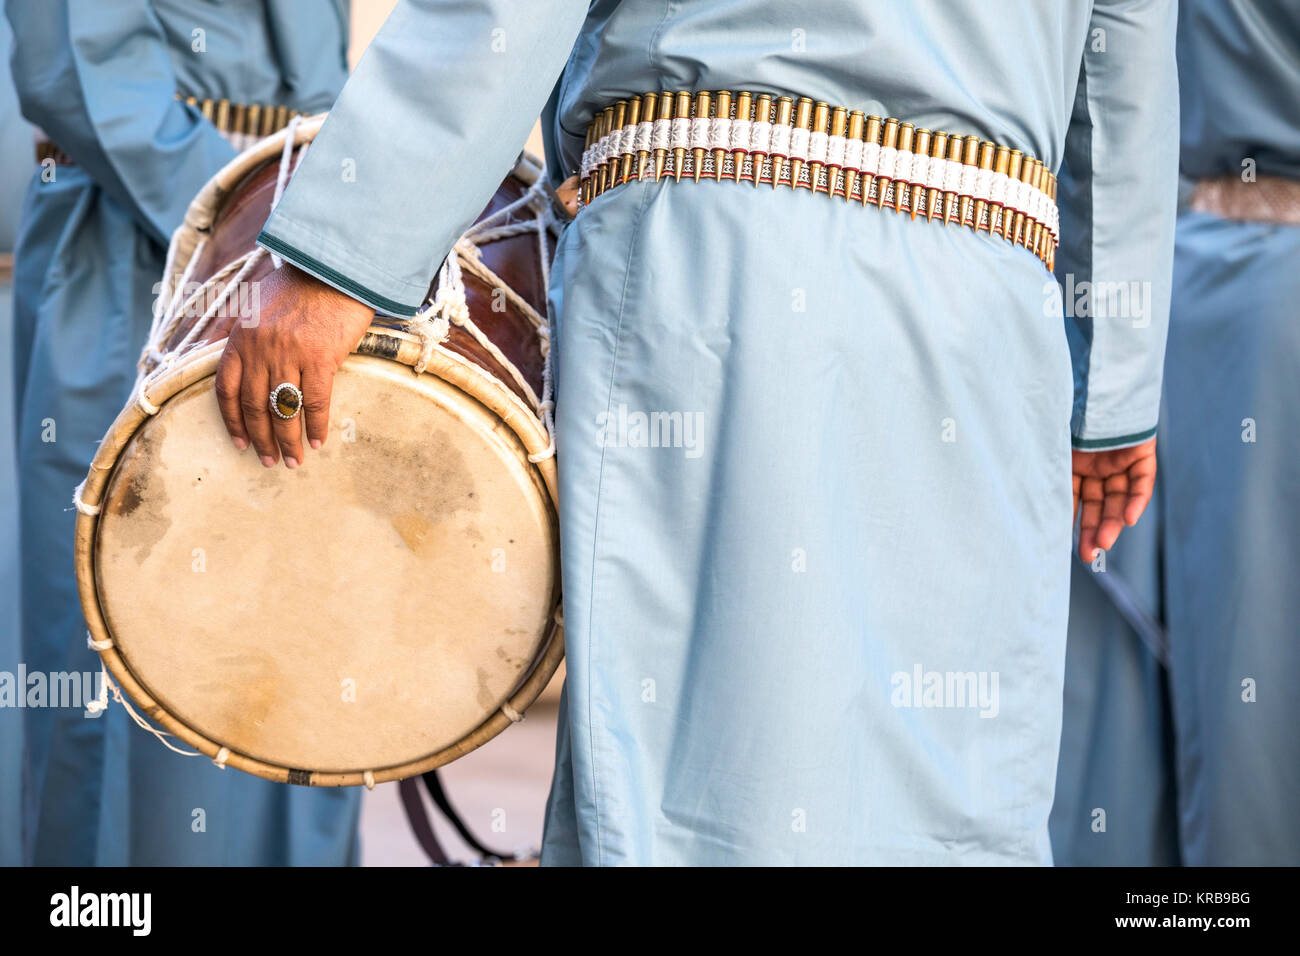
(106, 686)
(432, 324)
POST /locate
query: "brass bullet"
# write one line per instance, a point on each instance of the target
(722, 110)
(665, 113)
(1028, 175)
(268, 121)
(938, 149)
(981, 205)
(820, 124)
(647, 111)
(839, 124)
(922, 148)
(744, 109)
(784, 108)
(681, 110)
(906, 132)
(802, 120)
(631, 117)
(703, 106)
(614, 162)
(955, 144)
(970, 156)
(1033, 228)
(872, 135)
(1013, 173)
(602, 173)
(854, 133)
(281, 118)
(1001, 158)
(889, 140)
(253, 121)
(238, 117)
(1051, 239)
(762, 114)
(584, 189)
(207, 109)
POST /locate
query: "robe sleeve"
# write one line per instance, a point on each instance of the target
(97, 79)
(421, 137)
(1118, 198)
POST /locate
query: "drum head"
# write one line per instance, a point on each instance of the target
(363, 611)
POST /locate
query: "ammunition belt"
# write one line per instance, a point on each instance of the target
(803, 144)
(1267, 199)
(242, 124)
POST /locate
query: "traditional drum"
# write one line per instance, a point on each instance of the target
(393, 603)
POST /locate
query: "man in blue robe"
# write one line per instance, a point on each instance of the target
(832, 628)
(122, 159)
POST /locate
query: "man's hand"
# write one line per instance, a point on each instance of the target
(303, 333)
(1114, 487)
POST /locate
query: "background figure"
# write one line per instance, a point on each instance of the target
(1229, 478)
(15, 170)
(100, 79)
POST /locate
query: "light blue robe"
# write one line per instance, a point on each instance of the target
(99, 80)
(871, 478)
(1229, 491)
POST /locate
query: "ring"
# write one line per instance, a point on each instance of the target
(286, 400)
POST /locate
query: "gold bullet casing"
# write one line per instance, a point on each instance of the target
(872, 135)
(839, 123)
(821, 118)
(681, 110)
(938, 149)
(1051, 239)
(665, 113)
(784, 108)
(703, 106)
(593, 178)
(631, 118)
(281, 117)
(985, 163)
(890, 139)
(1001, 158)
(922, 148)
(253, 119)
(602, 172)
(856, 121)
(614, 164)
(970, 157)
(722, 110)
(802, 120)
(586, 192)
(647, 112)
(744, 109)
(762, 113)
(955, 145)
(1027, 175)
(1013, 173)
(902, 187)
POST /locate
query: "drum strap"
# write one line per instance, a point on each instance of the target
(419, 820)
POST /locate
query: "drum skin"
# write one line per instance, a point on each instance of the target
(379, 611)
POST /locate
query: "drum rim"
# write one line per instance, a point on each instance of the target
(390, 344)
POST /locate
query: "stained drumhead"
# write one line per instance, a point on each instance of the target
(363, 611)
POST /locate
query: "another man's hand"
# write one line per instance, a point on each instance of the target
(1114, 487)
(303, 333)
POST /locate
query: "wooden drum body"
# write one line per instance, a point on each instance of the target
(388, 606)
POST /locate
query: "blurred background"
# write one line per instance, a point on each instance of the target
(506, 780)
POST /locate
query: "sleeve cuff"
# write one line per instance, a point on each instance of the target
(1106, 444)
(332, 277)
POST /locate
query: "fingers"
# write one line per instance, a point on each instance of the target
(254, 403)
(1141, 484)
(229, 373)
(1091, 497)
(317, 386)
(288, 431)
(1114, 498)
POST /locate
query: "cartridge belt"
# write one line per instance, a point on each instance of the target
(242, 124)
(1267, 199)
(803, 144)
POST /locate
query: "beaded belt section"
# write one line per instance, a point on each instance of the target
(241, 124)
(1265, 199)
(803, 144)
